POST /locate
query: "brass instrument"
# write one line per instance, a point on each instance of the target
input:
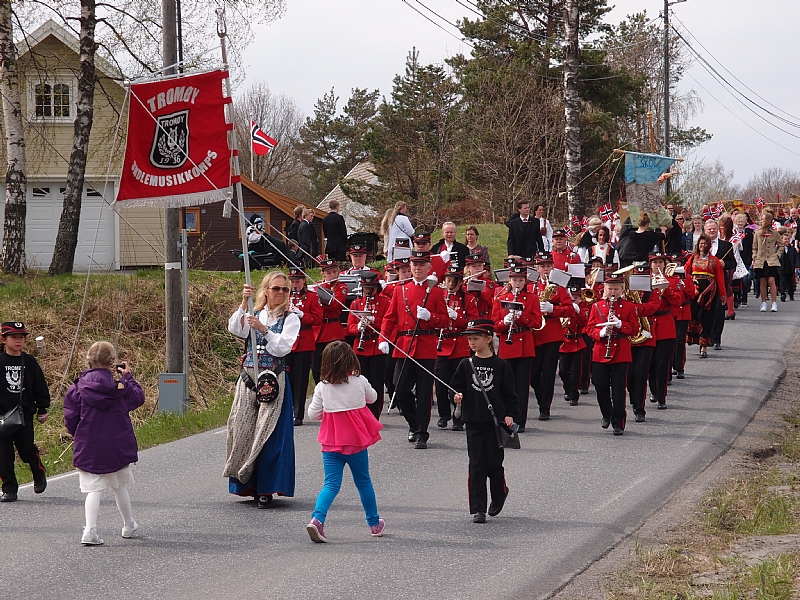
(669, 270)
(443, 329)
(588, 296)
(611, 316)
(547, 294)
(644, 323)
(658, 281)
(591, 278)
(368, 306)
(513, 320)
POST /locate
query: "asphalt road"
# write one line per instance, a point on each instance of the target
(576, 490)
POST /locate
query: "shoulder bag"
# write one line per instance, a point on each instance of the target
(505, 438)
(14, 419)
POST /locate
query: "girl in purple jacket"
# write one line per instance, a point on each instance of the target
(96, 411)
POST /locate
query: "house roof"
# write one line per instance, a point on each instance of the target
(353, 212)
(283, 203)
(70, 40)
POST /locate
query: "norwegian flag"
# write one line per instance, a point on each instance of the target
(576, 222)
(570, 246)
(606, 212)
(736, 238)
(720, 208)
(707, 214)
(776, 225)
(262, 143)
(760, 203)
(790, 224)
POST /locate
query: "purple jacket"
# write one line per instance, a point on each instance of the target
(96, 414)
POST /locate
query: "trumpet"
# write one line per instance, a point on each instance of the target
(659, 281)
(611, 316)
(513, 320)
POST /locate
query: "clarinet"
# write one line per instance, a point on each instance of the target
(513, 321)
(293, 298)
(611, 315)
(370, 308)
(443, 329)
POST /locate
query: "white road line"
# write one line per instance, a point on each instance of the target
(697, 435)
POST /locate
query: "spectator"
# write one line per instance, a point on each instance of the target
(471, 237)
(395, 225)
(307, 237)
(690, 241)
(790, 262)
(293, 231)
(524, 235)
(335, 233)
(458, 251)
(545, 228)
(643, 241)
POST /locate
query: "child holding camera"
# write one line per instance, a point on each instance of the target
(96, 413)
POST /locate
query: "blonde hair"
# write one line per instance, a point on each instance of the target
(261, 295)
(102, 355)
(389, 218)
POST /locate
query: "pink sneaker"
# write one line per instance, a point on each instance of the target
(377, 530)
(316, 532)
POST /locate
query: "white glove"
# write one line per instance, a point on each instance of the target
(604, 332)
(452, 313)
(546, 307)
(445, 255)
(384, 347)
(298, 312)
(383, 284)
(646, 334)
(371, 318)
(423, 313)
(577, 308)
(617, 323)
(508, 318)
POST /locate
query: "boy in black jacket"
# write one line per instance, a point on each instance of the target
(790, 261)
(485, 457)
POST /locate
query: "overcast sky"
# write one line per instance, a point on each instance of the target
(320, 44)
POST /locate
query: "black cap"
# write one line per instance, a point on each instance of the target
(422, 237)
(12, 327)
(611, 276)
(402, 243)
(420, 256)
(401, 262)
(657, 256)
(328, 263)
(480, 326)
(475, 259)
(358, 249)
(370, 278)
(560, 233)
(520, 270)
(543, 257)
(454, 271)
(296, 273)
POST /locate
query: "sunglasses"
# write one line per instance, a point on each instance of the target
(277, 288)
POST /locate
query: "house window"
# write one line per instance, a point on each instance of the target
(193, 221)
(52, 100)
(41, 192)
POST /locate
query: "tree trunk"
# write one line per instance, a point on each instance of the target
(67, 238)
(572, 104)
(13, 256)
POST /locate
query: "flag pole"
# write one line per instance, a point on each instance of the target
(252, 173)
(222, 33)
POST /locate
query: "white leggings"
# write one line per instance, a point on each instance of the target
(92, 506)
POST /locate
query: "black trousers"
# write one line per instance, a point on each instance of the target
(298, 365)
(374, 369)
(316, 363)
(389, 365)
(445, 368)
(416, 407)
(521, 368)
(637, 377)
(679, 357)
(485, 462)
(28, 452)
(660, 366)
(543, 375)
(569, 368)
(719, 308)
(586, 363)
(609, 382)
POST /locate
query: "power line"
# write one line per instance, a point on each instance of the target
(427, 18)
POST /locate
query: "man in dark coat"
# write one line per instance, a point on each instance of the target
(724, 251)
(307, 238)
(458, 251)
(524, 235)
(292, 232)
(335, 233)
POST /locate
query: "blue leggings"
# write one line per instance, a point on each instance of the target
(334, 463)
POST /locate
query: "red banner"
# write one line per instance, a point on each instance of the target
(177, 149)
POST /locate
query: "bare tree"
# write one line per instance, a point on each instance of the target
(13, 257)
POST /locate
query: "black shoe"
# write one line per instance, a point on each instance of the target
(640, 418)
(717, 347)
(421, 444)
(496, 507)
(566, 397)
(743, 304)
(652, 398)
(521, 429)
(791, 298)
(618, 431)
(8, 497)
(441, 423)
(412, 436)
(264, 501)
(573, 402)
(479, 518)
(605, 423)
(783, 297)
(544, 416)
(457, 426)
(40, 486)
(584, 392)
(674, 372)
(298, 422)
(680, 375)
(662, 405)
(704, 354)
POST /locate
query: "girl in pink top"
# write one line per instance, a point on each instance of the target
(348, 428)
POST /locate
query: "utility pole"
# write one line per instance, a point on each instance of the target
(172, 216)
(668, 188)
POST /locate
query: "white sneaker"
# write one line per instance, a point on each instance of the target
(91, 538)
(129, 530)
(774, 307)
(763, 307)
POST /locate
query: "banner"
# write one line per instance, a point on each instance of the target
(177, 150)
(643, 188)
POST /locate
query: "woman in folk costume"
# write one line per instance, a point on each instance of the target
(260, 449)
(708, 274)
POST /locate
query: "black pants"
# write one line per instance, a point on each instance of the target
(485, 462)
(660, 365)
(28, 452)
(679, 357)
(521, 368)
(637, 377)
(569, 368)
(543, 375)
(719, 308)
(316, 363)
(609, 382)
(298, 365)
(416, 407)
(374, 369)
(390, 366)
(445, 367)
(586, 363)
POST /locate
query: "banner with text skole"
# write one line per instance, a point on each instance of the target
(643, 187)
(177, 151)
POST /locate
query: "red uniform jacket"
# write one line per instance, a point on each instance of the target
(688, 291)
(312, 316)
(521, 345)
(378, 305)
(563, 258)
(574, 329)
(620, 344)
(485, 298)
(562, 307)
(332, 328)
(663, 321)
(454, 342)
(439, 267)
(401, 319)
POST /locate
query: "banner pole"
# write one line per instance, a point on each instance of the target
(222, 33)
(252, 172)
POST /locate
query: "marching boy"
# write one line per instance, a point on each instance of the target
(485, 456)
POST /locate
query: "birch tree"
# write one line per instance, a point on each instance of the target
(572, 109)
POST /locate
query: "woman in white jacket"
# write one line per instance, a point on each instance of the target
(395, 225)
